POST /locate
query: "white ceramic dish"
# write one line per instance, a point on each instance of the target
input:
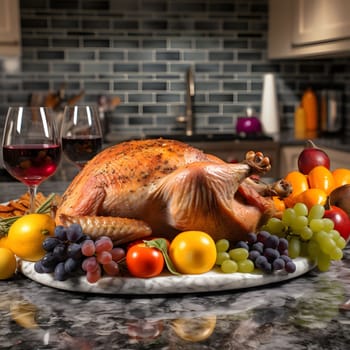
(212, 281)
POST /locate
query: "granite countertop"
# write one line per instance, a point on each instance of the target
(303, 313)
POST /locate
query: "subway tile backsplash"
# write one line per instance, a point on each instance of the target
(140, 50)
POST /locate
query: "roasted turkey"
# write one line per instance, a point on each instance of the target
(161, 187)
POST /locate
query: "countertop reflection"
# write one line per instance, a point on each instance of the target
(308, 312)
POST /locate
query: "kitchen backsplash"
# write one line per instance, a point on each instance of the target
(140, 50)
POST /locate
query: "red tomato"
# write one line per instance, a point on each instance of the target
(341, 221)
(143, 261)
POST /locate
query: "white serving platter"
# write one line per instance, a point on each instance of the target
(212, 281)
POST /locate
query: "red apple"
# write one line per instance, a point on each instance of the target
(341, 221)
(312, 156)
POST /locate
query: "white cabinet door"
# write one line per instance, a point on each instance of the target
(318, 21)
(9, 28)
(308, 28)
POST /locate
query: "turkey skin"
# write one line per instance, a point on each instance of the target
(161, 187)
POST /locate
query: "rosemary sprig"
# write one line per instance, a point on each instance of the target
(44, 208)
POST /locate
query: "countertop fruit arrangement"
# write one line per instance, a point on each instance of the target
(313, 222)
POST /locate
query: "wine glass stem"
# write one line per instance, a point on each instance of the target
(32, 195)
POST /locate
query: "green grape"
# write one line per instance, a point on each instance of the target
(304, 248)
(326, 244)
(316, 225)
(299, 223)
(336, 254)
(313, 249)
(275, 226)
(301, 209)
(328, 224)
(222, 245)
(294, 247)
(288, 216)
(221, 257)
(316, 212)
(340, 242)
(229, 266)
(245, 266)
(306, 233)
(238, 254)
(334, 234)
(319, 236)
(323, 262)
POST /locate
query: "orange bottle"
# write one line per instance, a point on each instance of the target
(309, 103)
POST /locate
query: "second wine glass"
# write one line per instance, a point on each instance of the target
(81, 133)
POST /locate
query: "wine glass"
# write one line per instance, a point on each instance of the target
(31, 146)
(81, 133)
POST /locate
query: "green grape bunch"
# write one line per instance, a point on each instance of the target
(309, 234)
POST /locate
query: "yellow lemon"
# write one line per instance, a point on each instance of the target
(8, 263)
(26, 235)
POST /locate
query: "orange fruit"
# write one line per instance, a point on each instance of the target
(341, 177)
(8, 263)
(26, 235)
(322, 178)
(311, 197)
(299, 184)
(278, 203)
(3, 242)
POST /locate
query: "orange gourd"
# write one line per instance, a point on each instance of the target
(311, 197)
(322, 178)
(341, 177)
(299, 184)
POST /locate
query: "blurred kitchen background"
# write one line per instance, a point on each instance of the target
(140, 51)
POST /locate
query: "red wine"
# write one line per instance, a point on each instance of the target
(81, 149)
(31, 164)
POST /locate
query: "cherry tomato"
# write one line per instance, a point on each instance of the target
(193, 252)
(322, 178)
(341, 221)
(143, 261)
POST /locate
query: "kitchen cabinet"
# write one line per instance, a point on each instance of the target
(9, 28)
(308, 28)
(289, 158)
(235, 151)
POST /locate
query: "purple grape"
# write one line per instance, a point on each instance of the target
(71, 265)
(286, 258)
(282, 245)
(39, 268)
(278, 264)
(49, 260)
(74, 251)
(290, 267)
(253, 254)
(60, 232)
(50, 243)
(74, 233)
(262, 236)
(271, 254)
(272, 242)
(242, 244)
(60, 273)
(251, 237)
(259, 246)
(60, 252)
